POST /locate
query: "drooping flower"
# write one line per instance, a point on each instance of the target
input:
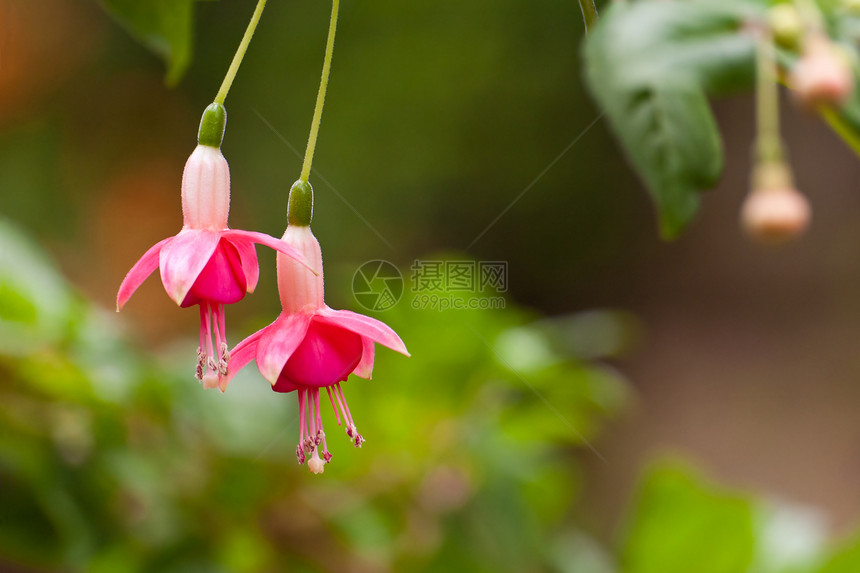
(822, 75)
(310, 346)
(207, 263)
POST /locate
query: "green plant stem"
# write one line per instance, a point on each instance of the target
(768, 143)
(318, 109)
(240, 53)
(589, 13)
(842, 128)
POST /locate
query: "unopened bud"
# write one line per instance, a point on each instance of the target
(852, 6)
(775, 216)
(786, 25)
(822, 75)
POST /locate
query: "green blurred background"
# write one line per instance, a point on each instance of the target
(513, 439)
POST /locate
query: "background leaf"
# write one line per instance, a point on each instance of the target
(649, 66)
(163, 26)
(682, 524)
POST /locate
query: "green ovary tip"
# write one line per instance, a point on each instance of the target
(212, 126)
(301, 205)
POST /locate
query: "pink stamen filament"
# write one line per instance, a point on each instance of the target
(317, 408)
(302, 419)
(210, 352)
(222, 319)
(202, 329)
(311, 417)
(347, 416)
(333, 407)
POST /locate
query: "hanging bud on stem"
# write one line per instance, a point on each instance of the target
(822, 76)
(774, 212)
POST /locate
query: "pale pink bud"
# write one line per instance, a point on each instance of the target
(822, 75)
(775, 215)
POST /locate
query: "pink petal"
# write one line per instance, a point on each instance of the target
(278, 342)
(139, 272)
(248, 258)
(237, 236)
(365, 367)
(326, 356)
(365, 326)
(240, 356)
(184, 258)
(222, 280)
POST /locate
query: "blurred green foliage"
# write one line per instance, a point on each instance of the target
(164, 26)
(113, 460)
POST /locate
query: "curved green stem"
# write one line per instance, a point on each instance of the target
(318, 109)
(589, 13)
(240, 53)
(842, 128)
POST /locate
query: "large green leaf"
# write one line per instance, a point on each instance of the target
(681, 525)
(649, 65)
(163, 26)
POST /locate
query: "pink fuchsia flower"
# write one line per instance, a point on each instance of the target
(310, 346)
(207, 263)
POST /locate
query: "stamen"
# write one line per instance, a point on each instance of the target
(201, 363)
(202, 328)
(310, 431)
(223, 363)
(210, 350)
(326, 454)
(320, 434)
(222, 319)
(333, 407)
(347, 416)
(302, 424)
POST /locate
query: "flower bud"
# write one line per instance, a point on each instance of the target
(786, 25)
(851, 6)
(776, 215)
(774, 212)
(822, 75)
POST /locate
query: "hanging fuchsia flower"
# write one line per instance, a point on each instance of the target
(206, 264)
(311, 346)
